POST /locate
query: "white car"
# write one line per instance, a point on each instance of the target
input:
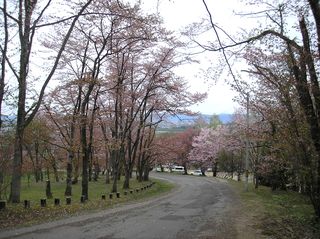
(178, 169)
(196, 173)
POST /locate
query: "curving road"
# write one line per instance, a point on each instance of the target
(200, 207)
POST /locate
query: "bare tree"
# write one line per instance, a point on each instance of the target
(27, 23)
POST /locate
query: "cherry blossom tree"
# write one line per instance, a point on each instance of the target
(208, 145)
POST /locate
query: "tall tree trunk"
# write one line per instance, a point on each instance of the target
(24, 35)
(107, 164)
(126, 183)
(17, 166)
(17, 157)
(68, 191)
(184, 164)
(115, 170)
(85, 156)
(214, 169)
(85, 161)
(37, 162)
(55, 171)
(314, 5)
(90, 165)
(91, 125)
(76, 168)
(146, 172)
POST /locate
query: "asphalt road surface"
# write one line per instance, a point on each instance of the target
(200, 207)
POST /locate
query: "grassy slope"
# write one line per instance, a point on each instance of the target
(17, 215)
(278, 214)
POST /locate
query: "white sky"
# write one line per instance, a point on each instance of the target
(179, 13)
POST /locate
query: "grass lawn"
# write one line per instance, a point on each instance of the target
(279, 214)
(18, 216)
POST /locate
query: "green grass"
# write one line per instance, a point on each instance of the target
(96, 189)
(279, 214)
(16, 215)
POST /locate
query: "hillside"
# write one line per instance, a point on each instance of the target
(180, 122)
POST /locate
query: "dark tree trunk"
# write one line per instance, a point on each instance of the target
(55, 170)
(85, 179)
(256, 180)
(107, 176)
(85, 148)
(71, 150)
(214, 169)
(115, 170)
(17, 160)
(24, 35)
(185, 168)
(90, 171)
(146, 173)
(140, 170)
(314, 4)
(85, 156)
(107, 166)
(38, 168)
(68, 191)
(76, 169)
(48, 189)
(126, 183)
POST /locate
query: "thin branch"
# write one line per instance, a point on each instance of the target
(55, 65)
(9, 63)
(258, 37)
(223, 50)
(8, 15)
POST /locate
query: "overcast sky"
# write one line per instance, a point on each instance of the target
(177, 14)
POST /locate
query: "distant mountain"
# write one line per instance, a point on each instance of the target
(8, 119)
(225, 118)
(181, 121)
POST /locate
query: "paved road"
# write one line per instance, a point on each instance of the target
(200, 207)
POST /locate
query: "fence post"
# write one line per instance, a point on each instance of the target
(26, 203)
(56, 201)
(68, 200)
(83, 199)
(43, 202)
(2, 204)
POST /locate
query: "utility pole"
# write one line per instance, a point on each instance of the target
(247, 147)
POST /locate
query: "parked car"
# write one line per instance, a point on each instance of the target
(196, 172)
(178, 169)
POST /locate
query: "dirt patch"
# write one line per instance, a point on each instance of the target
(285, 228)
(238, 221)
(248, 224)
